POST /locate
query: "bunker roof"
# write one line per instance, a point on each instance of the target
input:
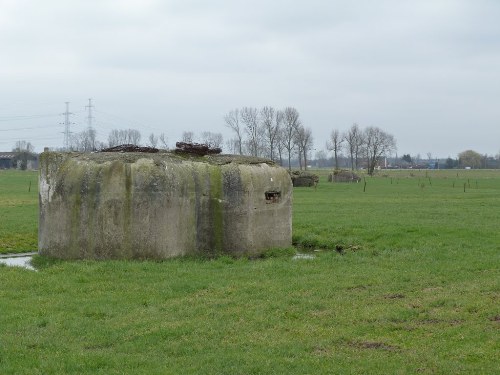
(163, 156)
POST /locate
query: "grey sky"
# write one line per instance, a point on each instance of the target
(427, 72)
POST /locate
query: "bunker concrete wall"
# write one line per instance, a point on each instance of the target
(111, 206)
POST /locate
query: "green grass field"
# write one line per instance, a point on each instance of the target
(405, 279)
(18, 211)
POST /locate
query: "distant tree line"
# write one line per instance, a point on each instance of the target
(479, 161)
(465, 159)
(86, 141)
(367, 145)
(278, 134)
(212, 140)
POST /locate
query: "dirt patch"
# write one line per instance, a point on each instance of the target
(341, 249)
(357, 287)
(394, 296)
(495, 318)
(453, 322)
(321, 351)
(373, 345)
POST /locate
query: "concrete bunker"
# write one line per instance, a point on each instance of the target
(160, 205)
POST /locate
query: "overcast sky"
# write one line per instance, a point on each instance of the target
(426, 71)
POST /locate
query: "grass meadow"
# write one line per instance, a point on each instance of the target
(18, 211)
(404, 280)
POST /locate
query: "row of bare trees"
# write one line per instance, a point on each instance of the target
(86, 141)
(269, 132)
(369, 144)
(211, 139)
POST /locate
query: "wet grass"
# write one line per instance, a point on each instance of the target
(405, 280)
(404, 210)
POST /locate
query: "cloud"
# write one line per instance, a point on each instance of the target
(412, 67)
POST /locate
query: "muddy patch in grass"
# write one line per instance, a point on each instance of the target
(320, 351)
(394, 296)
(451, 323)
(358, 287)
(373, 345)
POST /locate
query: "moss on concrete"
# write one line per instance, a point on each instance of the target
(215, 208)
(109, 205)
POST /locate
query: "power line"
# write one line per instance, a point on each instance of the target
(131, 123)
(9, 140)
(24, 117)
(30, 128)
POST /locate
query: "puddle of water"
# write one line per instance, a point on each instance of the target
(18, 262)
(303, 256)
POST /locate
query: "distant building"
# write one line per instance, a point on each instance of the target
(6, 159)
(10, 160)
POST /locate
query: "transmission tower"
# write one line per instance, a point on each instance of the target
(89, 114)
(67, 124)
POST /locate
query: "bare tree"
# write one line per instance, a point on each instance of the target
(23, 146)
(304, 142)
(133, 137)
(353, 139)
(153, 140)
(298, 145)
(291, 122)
(164, 141)
(335, 145)
(188, 137)
(307, 144)
(212, 140)
(265, 132)
(117, 137)
(377, 144)
(280, 145)
(232, 146)
(358, 150)
(24, 153)
(271, 122)
(321, 158)
(250, 120)
(232, 120)
(124, 136)
(85, 141)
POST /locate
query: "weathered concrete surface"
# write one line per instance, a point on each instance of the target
(138, 205)
(343, 176)
(304, 179)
